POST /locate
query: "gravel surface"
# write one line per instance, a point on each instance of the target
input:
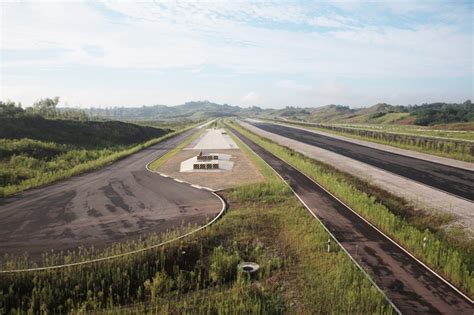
(243, 171)
(214, 139)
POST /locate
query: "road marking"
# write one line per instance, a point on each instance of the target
(207, 188)
(372, 225)
(218, 216)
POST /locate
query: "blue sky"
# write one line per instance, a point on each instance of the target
(268, 54)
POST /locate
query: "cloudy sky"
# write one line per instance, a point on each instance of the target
(269, 54)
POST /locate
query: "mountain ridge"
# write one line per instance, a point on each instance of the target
(425, 114)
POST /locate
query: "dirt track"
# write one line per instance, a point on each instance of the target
(408, 284)
(456, 181)
(116, 203)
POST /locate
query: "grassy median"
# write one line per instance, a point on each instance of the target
(265, 224)
(444, 147)
(447, 253)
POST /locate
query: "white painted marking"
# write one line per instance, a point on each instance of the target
(389, 238)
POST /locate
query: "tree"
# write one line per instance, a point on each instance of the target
(47, 107)
(10, 109)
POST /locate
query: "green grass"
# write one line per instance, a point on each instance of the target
(445, 134)
(80, 134)
(41, 163)
(448, 257)
(389, 118)
(443, 147)
(266, 224)
(156, 164)
(267, 172)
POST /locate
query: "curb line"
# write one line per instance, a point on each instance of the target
(328, 231)
(384, 234)
(218, 216)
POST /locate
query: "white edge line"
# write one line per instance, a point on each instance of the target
(370, 165)
(393, 241)
(178, 180)
(370, 143)
(329, 232)
(219, 215)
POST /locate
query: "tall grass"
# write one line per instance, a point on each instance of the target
(200, 274)
(447, 259)
(68, 164)
(163, 159)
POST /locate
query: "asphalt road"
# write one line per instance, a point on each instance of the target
(407, 283)
(456, 181)
(117, 203)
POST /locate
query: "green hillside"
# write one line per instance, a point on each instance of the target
(78, 133)
(382, 113)
(190, 111)
(35, 150)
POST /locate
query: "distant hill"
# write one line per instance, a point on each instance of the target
(382, 113)
(191, 111)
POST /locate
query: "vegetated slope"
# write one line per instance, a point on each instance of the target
(35, 151)
(382, 113)
(78, 133)
(190, 110)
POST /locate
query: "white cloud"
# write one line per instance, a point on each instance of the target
(292, 85)
(238, 38)
(252, 98)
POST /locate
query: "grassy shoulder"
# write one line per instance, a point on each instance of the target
(28, 163)
(163, 159)
(266, 171)
(266, 224)
(443, 147)
(448, 253)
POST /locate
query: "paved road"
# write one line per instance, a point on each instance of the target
(116, 203)
(408, 284)
(459, 182)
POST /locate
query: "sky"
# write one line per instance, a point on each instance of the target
(249, 53)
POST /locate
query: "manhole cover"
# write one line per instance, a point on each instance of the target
(248, 267)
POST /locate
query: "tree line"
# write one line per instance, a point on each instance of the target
(46, 108)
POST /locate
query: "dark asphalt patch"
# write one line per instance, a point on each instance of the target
(456, 181)
(122, 201)
(410, 286)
